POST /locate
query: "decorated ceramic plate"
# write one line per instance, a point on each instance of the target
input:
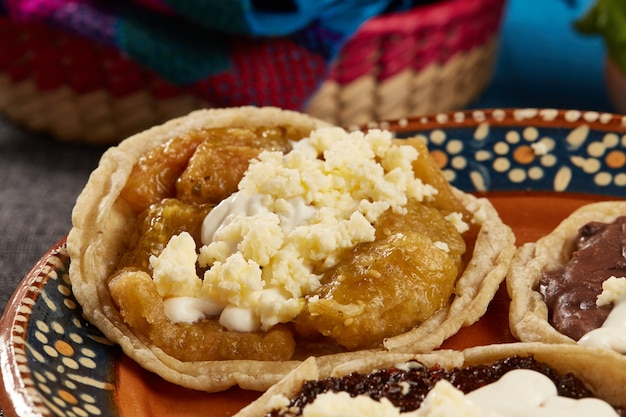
(535, 165)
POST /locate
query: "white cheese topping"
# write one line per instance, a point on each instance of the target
(612, 334)
(444, 400)
(341, 404)
(174, 270)
(190, 309)
(524, 392)
(293, 212)
(519, 393)
(457, 220)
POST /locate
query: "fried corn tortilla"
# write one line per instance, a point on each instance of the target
(602, 372)
(103, 220)
(528, 313)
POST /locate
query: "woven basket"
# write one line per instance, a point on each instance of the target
(433, 58)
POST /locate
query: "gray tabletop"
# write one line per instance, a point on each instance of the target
(40, 179)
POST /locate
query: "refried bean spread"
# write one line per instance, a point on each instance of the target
(570, 292)
(407, 387)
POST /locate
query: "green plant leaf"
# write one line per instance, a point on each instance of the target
(607, 18)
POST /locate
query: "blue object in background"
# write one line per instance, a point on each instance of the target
(544, 62)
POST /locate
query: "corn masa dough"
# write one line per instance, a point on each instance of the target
(528, 313)
(100, 220)
(606, 377)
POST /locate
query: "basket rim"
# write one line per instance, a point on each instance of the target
(428, 15)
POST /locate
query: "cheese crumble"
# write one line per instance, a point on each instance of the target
(613, 289)
(293, 213)
(612, 334)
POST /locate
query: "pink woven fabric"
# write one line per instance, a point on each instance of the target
(155, 5)
(280, 71)
(417, 38)
(195, 44)
(33, 9)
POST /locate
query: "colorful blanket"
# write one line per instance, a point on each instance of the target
(232, 52)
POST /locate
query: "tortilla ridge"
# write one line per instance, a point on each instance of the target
(94, 233)
(85, 244)
(528, 313)
(563, 358)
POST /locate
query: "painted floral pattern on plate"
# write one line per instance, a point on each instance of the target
(65, 363)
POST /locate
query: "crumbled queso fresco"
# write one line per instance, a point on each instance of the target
(611, 334)
(292, 212)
